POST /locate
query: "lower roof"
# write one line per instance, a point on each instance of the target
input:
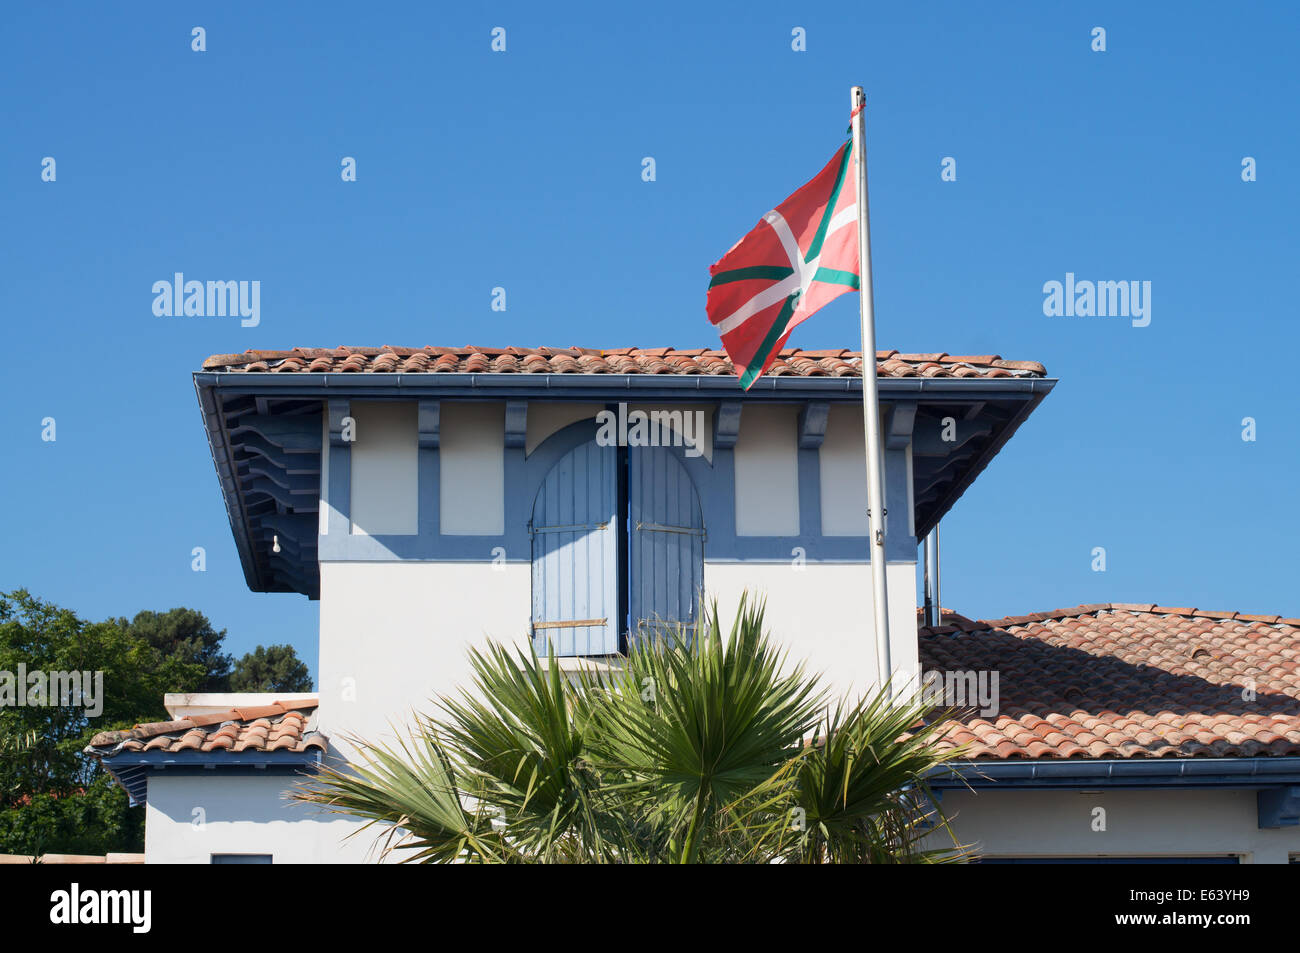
(279, 726)
(262, 739)
(1125, 681)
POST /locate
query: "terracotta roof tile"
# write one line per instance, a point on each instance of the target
(282, 726)
(1266, 619)
(1126, 681)
(629, 360)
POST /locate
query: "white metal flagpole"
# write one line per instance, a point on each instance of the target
(876, 511)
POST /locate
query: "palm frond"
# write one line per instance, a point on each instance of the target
(862, 786)
(411, 791)
(699, 722)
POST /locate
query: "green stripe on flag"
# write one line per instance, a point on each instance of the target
(774, 333)
(815, 248)
(755, 272)
(833, 276)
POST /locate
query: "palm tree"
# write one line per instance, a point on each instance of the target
(704, 748)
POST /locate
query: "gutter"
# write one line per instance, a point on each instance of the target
(1255, 772)
(132, 769)
(210, 760)
(485, 386)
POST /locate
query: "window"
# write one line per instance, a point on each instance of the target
(617, 543)
(241, 858)
(1109, 860)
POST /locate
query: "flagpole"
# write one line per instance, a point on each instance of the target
(871, 399)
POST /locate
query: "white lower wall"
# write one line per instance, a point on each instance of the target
(1150, 823)
(821, 612)
(395, 634)
(392, 636)
(190, 818)
(251, 815)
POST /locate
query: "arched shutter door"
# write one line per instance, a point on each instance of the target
(665, 541)
(575, 554)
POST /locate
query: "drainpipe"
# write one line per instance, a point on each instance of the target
(931, 584)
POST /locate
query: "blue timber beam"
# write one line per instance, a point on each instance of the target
(1279, 807)
(726, 424)
(812, 424)
(901, 420)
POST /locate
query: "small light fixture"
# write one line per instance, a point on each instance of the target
(275, 544)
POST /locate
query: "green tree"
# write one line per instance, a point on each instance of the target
(187, 636)
(275, 668)
(706, 747)
(52, 796)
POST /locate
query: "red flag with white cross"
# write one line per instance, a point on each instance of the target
(801, 256)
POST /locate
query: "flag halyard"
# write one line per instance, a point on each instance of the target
(799, 257)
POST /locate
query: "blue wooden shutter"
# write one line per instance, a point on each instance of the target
(575, 554)
(665, 541)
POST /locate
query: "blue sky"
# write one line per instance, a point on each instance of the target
(522, 169)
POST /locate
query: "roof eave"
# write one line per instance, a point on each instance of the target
(132, 769)
(1239, 772)
(1028, 391)
(307, 384)
(980, 463)
(219, 448)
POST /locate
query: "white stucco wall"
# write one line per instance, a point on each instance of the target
(385, 468)
(394, 634)
(699, 429)
(844, 474)
(546, 417)
(472, 468)
(1150, 823)
(822, 614)
(189, 818)
(767, 472)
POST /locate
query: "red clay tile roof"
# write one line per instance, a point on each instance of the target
(280, 726)
(628, 360)
(1127, 681)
